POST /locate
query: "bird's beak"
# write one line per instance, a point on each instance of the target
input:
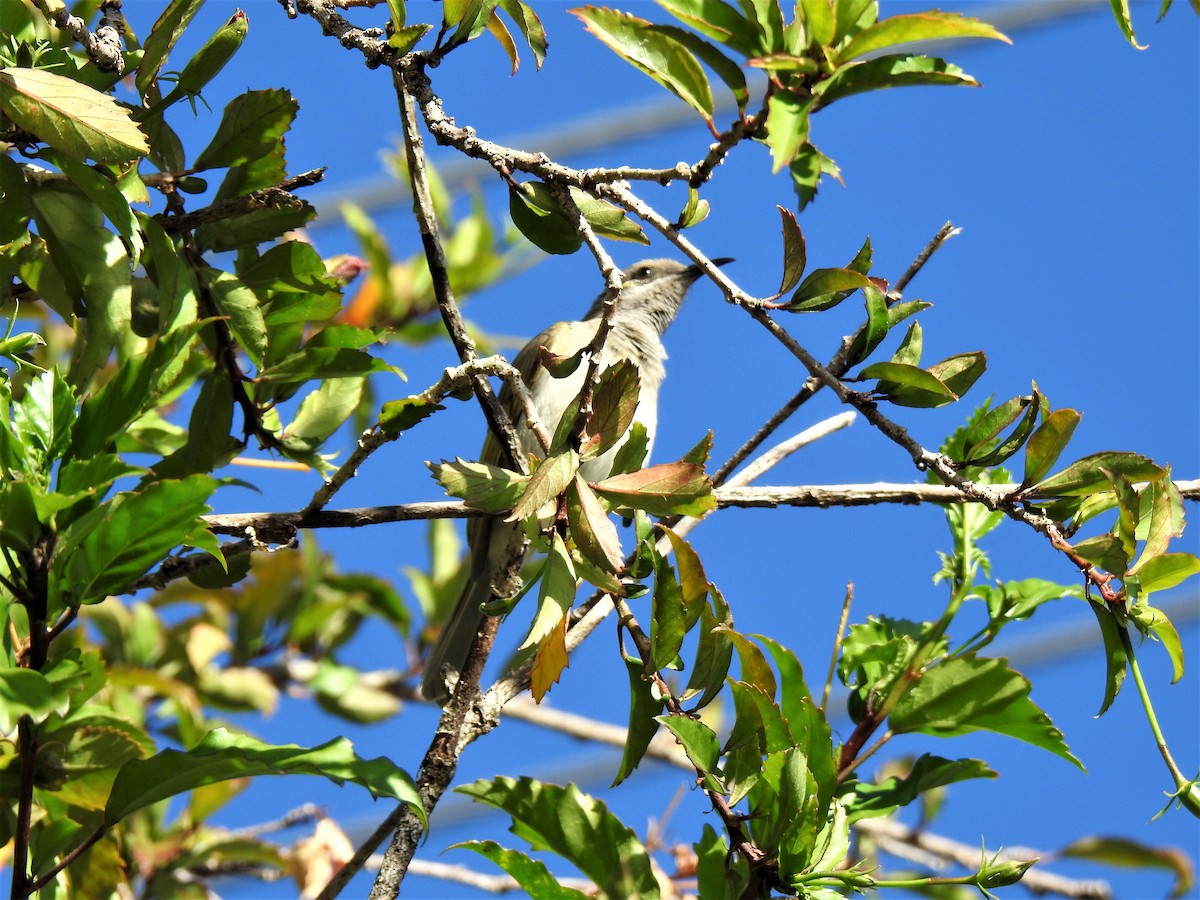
(695, 272)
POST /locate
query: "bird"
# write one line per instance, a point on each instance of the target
(652, 292)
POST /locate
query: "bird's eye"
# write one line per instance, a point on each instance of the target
(642, 273)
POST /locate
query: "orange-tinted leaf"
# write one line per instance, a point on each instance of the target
(678, 488)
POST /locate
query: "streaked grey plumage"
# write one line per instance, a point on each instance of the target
(652, 293)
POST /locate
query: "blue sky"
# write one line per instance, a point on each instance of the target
(1073, 175)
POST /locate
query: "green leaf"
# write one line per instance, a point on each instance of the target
(718, 20)
(896, 313)
(806, 171)
(530, 27)
(207, 62)
(606, 219)
(95, 739)
(907, 385)
(470, 17)
(784, 817)
(912, 345)
(106, 550)
(1048, 442)
(632, 453)
(251, 126)
(321, 413)
(1105, 551)
(793, 690)
(531, 874)
(108, 197)
(694, 211)
(548, 480)
(644, 705)
(877, 325)
(965, 694)
(654, 52)
(767, 19)
(241, 309)
(907, 29)
(982, 446)
(700, 453)
(795, 256)
(95, 268)
(1010, 601)
(927, 773)
(699, 742)
(556, 593)
(548, 231)
(1116, 661)
(889, 72)
(1166, 571)
(398, 416)
(479, 485)
(42, 419)
(727, 70)
(221, 755)
(136, 387)
(825, 288)
(668, 489)
(667, 623)
(852, 16)
(1088, 475)
(721, 875)
(755, 670)
(819, 21)
(714, 652)
(960, 371)
(24, 692)
(342, 691)
(323, 362)
(1120, 11)
(166, 31)
(1164, 521)
(787, 127)
(575, 826)
(1155, 622)
(74, 119)
(404, 39)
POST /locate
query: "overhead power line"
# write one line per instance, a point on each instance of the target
(617, 126)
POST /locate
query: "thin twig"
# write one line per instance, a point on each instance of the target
(783, 450)
(837, 644)
(499, 423)
(452, 379)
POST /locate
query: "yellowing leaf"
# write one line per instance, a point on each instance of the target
(550, 661)
(71, 117)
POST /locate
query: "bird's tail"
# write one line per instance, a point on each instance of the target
(449, 653)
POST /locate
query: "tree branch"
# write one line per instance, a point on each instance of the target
(104, 47)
